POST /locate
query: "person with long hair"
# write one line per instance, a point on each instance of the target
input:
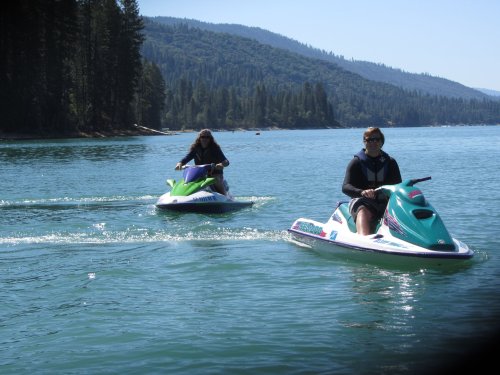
(205, 150)
(369, 169)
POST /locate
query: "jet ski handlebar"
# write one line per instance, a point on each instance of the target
(206, 166)
(415, 180)
(410, 182)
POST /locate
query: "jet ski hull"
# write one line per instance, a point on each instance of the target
(373, 249)
(201, 202)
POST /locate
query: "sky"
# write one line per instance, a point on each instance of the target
(453, 39)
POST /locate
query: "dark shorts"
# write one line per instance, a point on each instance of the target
(375, 206)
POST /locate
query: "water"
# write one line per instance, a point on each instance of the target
(93, 279)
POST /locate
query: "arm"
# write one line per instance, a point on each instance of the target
(394, 174)
(186, 159)
(352, 179)
(220, 166)
(222, 161)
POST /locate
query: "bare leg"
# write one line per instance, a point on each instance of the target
(363, 221)
(219, 185)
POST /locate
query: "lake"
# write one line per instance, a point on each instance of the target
(94, 279)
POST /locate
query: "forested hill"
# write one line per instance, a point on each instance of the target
(424, 83)
(72, 68)
(78, 68)
(264, 80)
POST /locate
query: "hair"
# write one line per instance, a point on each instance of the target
(372, 131)
(204, 132)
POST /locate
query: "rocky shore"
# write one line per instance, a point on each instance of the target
(136, 131)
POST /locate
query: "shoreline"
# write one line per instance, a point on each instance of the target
(139, 131)
(145, 131)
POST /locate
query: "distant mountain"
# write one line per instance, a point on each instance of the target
(423, 83)
(489, 92)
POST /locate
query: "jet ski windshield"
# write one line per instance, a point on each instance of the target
(191, 174)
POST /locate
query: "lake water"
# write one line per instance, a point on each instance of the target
(94, 279)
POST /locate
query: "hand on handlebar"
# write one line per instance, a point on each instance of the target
(368, 193)
(178, 166)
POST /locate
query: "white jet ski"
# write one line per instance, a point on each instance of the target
(410, 233)
(193, 193)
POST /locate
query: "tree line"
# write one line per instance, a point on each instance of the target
(191, 106)
(69, 67)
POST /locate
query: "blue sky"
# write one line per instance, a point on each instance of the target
(454, 39)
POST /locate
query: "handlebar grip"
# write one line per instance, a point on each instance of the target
(415, 180)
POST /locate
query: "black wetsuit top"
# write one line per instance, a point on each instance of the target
(208, 155)
(383, 170)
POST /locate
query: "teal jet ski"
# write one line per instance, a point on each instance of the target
(410, 232)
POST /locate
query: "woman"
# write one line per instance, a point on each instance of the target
(369, 169)
(205, 150)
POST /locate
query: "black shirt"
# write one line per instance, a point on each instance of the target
(209, 155)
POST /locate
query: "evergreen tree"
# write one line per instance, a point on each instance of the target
(69, 66)
(151, 96)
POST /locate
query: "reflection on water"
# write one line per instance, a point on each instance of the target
(69, 153)
(388, 297)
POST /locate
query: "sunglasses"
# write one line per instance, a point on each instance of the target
(372, 140)
(204, 137)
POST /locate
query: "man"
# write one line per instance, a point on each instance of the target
(369, 169)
